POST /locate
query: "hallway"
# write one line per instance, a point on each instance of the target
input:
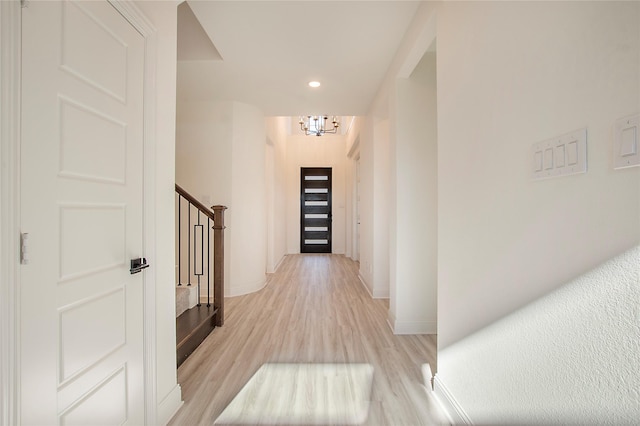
(312, 310)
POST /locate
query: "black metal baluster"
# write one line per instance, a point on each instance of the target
(195, 241)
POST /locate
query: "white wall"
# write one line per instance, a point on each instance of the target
(247, 225)
(414, 230)
(504, 240)
(367, 190)
(276, 180)
(203, 164)
(350, 249)
(377, 137)
(203, 150)
(520, 73)
(313, 151)
(374, 204)
(163, 16)
(504, 84)
(353, 157)
(220, 159)
(380, 214)
(581, 362)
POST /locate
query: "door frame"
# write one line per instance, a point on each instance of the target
(10, 143)
(10, 29)
(330, 205)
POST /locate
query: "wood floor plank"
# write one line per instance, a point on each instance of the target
(313, 309)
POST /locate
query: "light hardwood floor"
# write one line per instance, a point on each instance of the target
(313, 309)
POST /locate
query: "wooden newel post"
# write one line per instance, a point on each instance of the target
(218, 262)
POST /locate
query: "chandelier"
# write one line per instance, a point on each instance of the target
(317, 125)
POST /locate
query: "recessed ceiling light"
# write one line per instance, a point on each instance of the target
(314, 84)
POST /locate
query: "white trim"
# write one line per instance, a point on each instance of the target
(390, 321)
(139, 21)
(364, 284)
(10, 59)
(374, 295)
(169, 406)
(449, 404)
(243, 289)
(415, 327)
(278, 264)
(377, 294)
(411, 327)
(381, 294)
(136, 18)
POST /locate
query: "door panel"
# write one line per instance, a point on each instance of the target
(81, 203)
(315, 210)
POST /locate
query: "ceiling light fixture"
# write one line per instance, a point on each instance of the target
(314, 84)
(317, 124)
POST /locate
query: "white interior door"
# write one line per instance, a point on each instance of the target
(81, 313)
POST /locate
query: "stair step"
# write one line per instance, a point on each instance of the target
(192, 327)
(186, 298)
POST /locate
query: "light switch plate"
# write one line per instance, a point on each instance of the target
(560, 156)
(626, 142)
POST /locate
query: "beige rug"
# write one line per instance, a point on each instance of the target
(302, 394)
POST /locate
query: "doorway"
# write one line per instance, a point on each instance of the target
(82, 204)
(315, 210)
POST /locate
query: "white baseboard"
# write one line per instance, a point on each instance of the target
(413, 327)
(390, 325)
(279, 263)
(377, 294)
(271, 269)
(169, 405)
(364, 284)
(449, 404)
(245, 289)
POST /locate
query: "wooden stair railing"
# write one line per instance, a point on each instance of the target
(218, 262)
(195, 324)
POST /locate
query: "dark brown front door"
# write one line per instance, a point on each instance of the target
(315, 210)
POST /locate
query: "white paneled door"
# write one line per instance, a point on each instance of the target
(81, 310)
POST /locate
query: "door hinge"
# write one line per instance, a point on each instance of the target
(24, 3)
(24, 253)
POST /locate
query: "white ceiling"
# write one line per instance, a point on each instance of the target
(270, 50)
